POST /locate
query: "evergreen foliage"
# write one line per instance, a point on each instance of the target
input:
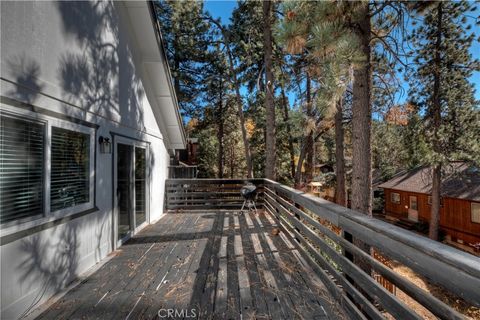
(457, 135)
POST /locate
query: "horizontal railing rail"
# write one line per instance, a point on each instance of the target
(339, 244)
(319, 226)
(192, 194)
(182, 172)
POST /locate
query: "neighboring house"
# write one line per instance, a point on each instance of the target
(407, 195)
(89, 121)
(183, 164)
(189, 156)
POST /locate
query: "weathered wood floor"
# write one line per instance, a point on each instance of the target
(204, 265)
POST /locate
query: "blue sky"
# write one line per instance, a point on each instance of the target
(223, 10)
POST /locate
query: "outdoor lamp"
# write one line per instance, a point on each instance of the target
(105, 145)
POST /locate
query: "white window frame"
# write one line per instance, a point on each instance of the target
(48, 215)
(399, 198)
(472, 204)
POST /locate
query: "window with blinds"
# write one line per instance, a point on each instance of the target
(70, 169)
(21, 168)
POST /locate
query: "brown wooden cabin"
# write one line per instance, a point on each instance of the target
(407, 195)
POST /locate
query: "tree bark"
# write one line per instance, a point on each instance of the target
(361, 121)
(436, 190)
(289, 130)
(232, 160)
(310, 143)
(270, 158)
(301, 159)
(176, 66)
(220, 134)
(340, 190)
(306, 144)
(437, 116)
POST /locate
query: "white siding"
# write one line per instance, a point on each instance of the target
(74, 59)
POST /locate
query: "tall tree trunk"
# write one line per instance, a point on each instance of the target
(437, 116)
(307, 143)
(233, 74)
(361, 121)
(270, 158)
(232, 160)
(340, 190)
(301, 159)
(176, 66)
(289, 130)
(241, 117)
(310, 144)
(436, 191)
(220, 134)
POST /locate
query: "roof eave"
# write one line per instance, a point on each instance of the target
(161, 46)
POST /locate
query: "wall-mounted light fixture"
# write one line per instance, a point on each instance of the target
(105, 145)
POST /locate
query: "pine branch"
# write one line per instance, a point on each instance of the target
(389, 48)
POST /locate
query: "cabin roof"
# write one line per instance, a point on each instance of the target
(460, 180)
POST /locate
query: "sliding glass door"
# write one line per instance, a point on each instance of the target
(131, 187)
(124, 190)
(140, 186)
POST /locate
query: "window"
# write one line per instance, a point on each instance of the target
(395, 197)
(475, 207)
(21, 168)
(70, 169)
(46, 168)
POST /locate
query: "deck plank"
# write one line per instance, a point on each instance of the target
(300, 290)
(222, 264)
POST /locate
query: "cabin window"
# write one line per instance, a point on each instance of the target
(475, 212)
(46, 168)
(22, 168)
(395, 197)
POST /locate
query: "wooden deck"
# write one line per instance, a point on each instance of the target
(205, 265)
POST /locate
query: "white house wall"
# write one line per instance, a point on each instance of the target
(73, 59)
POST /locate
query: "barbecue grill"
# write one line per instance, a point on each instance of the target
(249, 193)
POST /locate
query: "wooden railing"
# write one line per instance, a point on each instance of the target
(182, 172)
(333, 240)
(191, 194)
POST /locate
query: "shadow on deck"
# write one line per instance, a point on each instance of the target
(202, 265)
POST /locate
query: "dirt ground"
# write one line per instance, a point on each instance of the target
(458, 304)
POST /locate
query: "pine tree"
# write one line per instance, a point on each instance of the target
(441, 89)
(270, 159)
(226, 37)
(187, 36)
(341, 188)
(362, 115)
(319, 31)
